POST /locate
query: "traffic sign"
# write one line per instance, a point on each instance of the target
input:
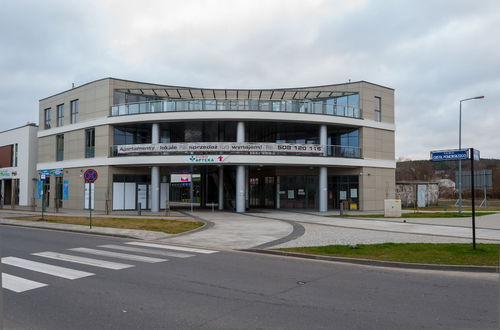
(90, 175)
(43, 177)
(438, 156)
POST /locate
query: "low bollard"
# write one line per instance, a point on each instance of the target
(139, 208)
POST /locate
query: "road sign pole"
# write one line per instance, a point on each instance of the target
(90, 204)
(473, 198)
(43, 197)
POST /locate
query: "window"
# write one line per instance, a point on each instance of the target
(378, 108)
(90, 143)
(14, 155)
(59, 147)
(75, 104)
(60, 115)
(46, 116)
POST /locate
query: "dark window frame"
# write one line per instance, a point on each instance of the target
(75, 110)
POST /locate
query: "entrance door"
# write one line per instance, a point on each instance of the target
(142, 196)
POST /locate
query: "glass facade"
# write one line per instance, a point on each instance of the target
(343, 188)
(127, 104)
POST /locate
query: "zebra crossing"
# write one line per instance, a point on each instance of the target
(126, 252)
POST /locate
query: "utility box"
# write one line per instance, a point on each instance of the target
(392, 208)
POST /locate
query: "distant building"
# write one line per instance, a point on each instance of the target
(307, 147)
(417, 193)
(18, 157)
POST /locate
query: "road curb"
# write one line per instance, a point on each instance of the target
(70, 230)
(369, 262)
(100, 233)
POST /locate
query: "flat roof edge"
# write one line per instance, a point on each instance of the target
(205, 88)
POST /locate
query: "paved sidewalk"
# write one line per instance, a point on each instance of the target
(278, 228)
(423, 228)
(233, 231)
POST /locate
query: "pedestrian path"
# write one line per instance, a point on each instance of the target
(130, 254)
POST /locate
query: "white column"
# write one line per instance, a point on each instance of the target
(323, 189)
(240, 188)
(240, 131)
(221, 188)
(323, 173)
(240, 172)
(277, 192)
(155, 172)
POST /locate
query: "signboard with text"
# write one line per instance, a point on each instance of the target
(442, 155)
(222, 147)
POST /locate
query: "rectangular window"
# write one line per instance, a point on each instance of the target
(75, 104)
(60, 115)
(14, 155)
(90, 143)
(378, 108)
(46, 116)
(59, 147)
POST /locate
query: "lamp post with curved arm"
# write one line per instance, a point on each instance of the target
(460, 147)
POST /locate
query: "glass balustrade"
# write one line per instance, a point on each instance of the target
(323, 107)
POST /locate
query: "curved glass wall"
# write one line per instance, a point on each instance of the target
(344, 106)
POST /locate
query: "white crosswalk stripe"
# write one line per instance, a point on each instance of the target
(19, 284)
(147, 251)
(63, 272)
(82, 260)
(172, 247)
(118, 255)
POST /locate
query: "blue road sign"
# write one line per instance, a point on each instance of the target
(46, 172)
(438, 156)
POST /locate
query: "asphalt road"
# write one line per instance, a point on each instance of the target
(231, 290)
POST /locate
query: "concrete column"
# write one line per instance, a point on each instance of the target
(323, 137)
(240, 188)
(240, 172)
(277, 203)
(323, 189)
(155, 172)
(240, 131)
(323, 172)
(221, 188)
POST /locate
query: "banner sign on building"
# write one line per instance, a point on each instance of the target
(221, 147)
(65, 190)
(437, 156)
(46, 172)
(206, 158)
(7, 174)
(57, 171)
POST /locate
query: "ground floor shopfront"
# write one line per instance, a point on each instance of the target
(125, 188)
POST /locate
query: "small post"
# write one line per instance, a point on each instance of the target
(139, 208)
(90, 204)
(213, 210)
(43, 197)
(473, 199)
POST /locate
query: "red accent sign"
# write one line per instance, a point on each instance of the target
(90, 175)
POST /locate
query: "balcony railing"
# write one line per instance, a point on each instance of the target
(322, 107)
(330, 151)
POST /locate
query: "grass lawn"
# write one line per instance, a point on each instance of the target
(422, 215)
(165, 226)
(455, 208)
(425, 253)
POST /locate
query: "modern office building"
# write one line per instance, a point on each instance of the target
(301, 148)
(18, 157)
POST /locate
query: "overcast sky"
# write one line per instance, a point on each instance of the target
(433, 53)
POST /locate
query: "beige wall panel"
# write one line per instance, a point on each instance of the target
(376, 184)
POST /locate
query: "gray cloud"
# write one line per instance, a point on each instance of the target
(433, 54)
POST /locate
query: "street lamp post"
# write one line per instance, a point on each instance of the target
(460, 147)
